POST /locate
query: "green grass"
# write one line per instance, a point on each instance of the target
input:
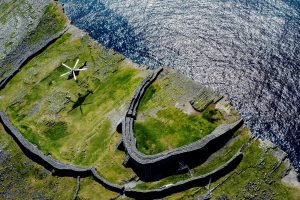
(214, 162)
(162, 122)
(42, 113)
(170, 129)
(21, 178)
(51, 22)
(40, 110)
(253, 178)
(56, 131)
(91, 190)
(150, 92)
(210, 115)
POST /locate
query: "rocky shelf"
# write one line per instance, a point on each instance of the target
(27, 49)
(229, 157)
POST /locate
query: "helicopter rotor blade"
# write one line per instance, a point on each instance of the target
(74, 75)
(76, 64)
(80, 69)
(66, 66)
(65, 74)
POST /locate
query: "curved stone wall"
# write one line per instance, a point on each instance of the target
(137, 97)
(70, 170)
(35, 151)
(130, 143)
(106, 183)
(151, 167)
(20, 58)
(147, 163)
(187, 184)
(51, 164)
(91, 171)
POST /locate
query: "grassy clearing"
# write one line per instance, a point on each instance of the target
(170, 129)
(215, 161)
(23, 179)
(166, 119)
(43, 112)
(251, 180)
(89, 189)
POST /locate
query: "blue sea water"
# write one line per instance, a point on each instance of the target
(246, 49)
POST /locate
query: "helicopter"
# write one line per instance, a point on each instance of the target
(74, 71)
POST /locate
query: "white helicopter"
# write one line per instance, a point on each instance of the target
(74, 71)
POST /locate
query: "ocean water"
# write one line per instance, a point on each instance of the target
(248, 50)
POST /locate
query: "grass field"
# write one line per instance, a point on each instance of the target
(170, 128)
(75, 122)
(213, 162)
(42, 107)
(166, 119)
(254, 178)
(21, 178)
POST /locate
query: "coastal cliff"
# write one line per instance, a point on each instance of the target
(42, 114)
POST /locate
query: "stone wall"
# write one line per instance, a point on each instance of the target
(51, 164)
(29, 147)
(149, 164)
(187, 184)
(152, 167)
(70, 170)
(24, 52)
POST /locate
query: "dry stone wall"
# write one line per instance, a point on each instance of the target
(187, 184)
(151, 167)
(67, 169)
(34, 150)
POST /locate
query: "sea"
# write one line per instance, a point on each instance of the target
(248, 50)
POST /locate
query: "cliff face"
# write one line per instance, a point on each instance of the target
(26, 26)
(42, 110)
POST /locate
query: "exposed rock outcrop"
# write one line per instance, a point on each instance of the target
(27, 41)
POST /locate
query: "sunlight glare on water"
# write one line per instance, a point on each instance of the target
(246, 49)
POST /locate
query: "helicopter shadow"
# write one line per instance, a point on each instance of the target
(80, 101)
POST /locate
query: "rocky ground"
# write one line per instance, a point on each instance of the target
(26, 26)
(41, 109)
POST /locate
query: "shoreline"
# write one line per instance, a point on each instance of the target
(294, 175)
(289, 178)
